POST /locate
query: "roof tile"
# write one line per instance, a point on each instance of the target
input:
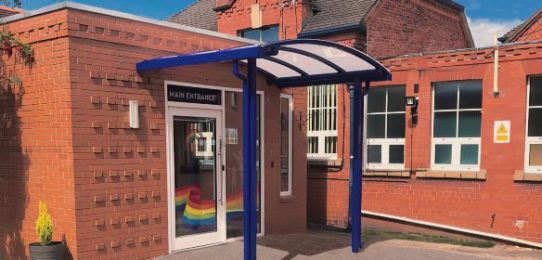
(200, 15)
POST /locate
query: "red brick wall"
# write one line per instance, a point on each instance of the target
(533, 33)
(462, 203)
(36, 137)
(396, 27)
(288, 16)
(106, 147)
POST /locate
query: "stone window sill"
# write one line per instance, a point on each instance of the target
(459, 175)
(325, 163)
(387, 173)
(522, 176)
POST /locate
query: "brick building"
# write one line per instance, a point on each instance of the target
(472, 162)
(418, 172)
(67, 139)
(379, 28)
(117, 189)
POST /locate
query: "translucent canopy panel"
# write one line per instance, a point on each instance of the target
(343, 59)
(305, 63)
(300, 62)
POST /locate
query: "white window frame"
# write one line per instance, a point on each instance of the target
(456, 142)
(385, 142)
(322, 134)
(529, 140)
(290, 161)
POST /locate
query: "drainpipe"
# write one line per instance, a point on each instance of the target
(465, 231)
(496, 67)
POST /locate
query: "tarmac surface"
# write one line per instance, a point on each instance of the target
(321, 244)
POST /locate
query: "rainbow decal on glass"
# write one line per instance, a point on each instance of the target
(197, 212)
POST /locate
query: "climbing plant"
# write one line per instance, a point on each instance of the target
(12, 46)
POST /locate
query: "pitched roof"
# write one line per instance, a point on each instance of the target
(334, 14)
(518, 30)
(330, 14)
(200, 15)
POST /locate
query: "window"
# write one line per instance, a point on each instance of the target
(263, 34)
(322, 122)
(533, 154)
(457, 121)
(386, 128)
(286, 107)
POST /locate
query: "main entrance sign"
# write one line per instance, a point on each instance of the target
(194, 95)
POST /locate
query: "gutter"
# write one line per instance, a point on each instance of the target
(332, 30)
(459, 230)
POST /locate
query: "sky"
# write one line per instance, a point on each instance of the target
(486, 17)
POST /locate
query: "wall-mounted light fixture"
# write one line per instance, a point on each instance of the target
(134, 114)
(412, 102)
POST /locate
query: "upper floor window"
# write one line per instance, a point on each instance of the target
(322, 122)
(533, 158)
(263, 34)
(386, 128)
(457, 120)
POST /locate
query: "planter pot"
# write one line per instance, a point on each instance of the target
(54, 251)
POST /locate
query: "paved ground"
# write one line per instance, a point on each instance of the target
(317, 244)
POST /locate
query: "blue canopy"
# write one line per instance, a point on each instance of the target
(300, 62)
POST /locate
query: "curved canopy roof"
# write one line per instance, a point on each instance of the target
(299, 62)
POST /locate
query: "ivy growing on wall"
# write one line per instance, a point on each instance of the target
(23, 52)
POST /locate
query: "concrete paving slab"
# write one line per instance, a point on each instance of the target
(320, 244)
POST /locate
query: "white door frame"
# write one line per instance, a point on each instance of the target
(171, 196)
(196, 240)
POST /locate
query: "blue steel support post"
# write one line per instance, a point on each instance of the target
(249, 161)
(356, 123)
(351, 89)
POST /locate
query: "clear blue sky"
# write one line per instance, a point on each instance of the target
(500, 10)
(495, 10)
(158, 9)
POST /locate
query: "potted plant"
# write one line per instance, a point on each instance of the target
(46, 249)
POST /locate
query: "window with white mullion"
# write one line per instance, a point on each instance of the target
(385, 128)
(322, 116)
(533, 140)
(457, 110)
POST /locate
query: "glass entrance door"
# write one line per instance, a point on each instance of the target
(195, 176)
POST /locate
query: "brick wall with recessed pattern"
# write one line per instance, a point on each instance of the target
(67, 139)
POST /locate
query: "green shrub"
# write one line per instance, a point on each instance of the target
(44, 225)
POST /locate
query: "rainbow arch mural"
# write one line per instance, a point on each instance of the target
(196, 212)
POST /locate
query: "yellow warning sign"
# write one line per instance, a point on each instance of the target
(502, 132)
